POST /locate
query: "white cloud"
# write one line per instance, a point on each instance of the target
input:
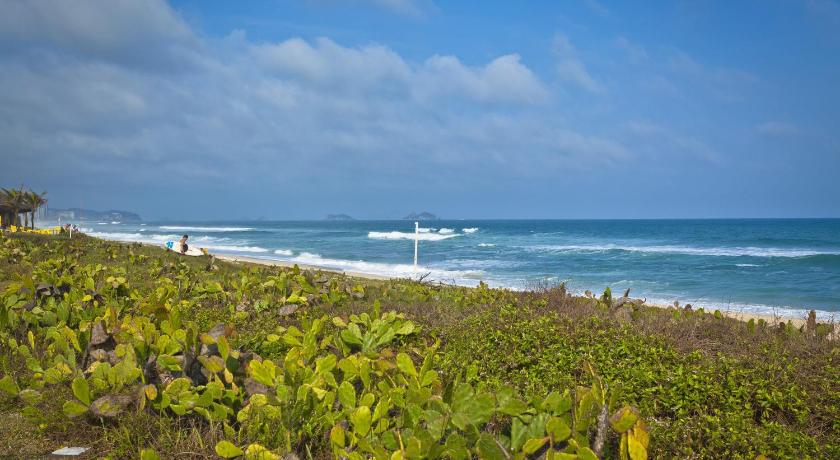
(777, 129)
(726, 84)
(570, 68)
(414, 8)
(146, 33)
(634, 51)
(293, 112)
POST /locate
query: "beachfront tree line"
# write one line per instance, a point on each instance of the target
(17, 201)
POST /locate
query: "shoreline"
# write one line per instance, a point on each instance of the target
(736, 315)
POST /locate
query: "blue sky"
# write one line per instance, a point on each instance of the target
(473, 109)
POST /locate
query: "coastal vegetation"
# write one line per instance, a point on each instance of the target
(136, 352)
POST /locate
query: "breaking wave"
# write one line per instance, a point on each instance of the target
(388, 270)
(205, 229)
(687, 250)
(422, 236)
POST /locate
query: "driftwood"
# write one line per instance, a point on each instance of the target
(627, 300)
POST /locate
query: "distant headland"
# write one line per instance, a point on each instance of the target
(338, 217)
(422, 216)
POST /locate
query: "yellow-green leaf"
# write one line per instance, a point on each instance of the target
(8, 385)
(151, 392)
(337, 436)
(558, 429)
(226, 449)
(405, 364)
(258, 452)
(81, 390)
(361, 419)
(149, 454)
(74, 409)
(347, 395)
(623, 419)
(533, 445)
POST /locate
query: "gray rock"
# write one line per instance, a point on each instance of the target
(287, 310)
(110, 406)
(252, 387)
(98, 335)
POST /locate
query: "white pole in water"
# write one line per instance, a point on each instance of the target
(416, 237)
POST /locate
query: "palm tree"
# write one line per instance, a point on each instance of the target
(14, 199)
(33, 202)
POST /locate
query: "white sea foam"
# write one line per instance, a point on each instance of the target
(115, 222)
(486, 245)
(446, 231)
(469, 229)
(747, 265)
(687, 250)
(102, 223)
(284, 252)
(209, 242)
(205, 229)
(735, 309)
(234, 248)
(389, 270)
(428, 236)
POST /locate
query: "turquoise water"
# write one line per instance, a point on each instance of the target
(762, 265)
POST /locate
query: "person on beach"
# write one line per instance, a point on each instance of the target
(183, 243)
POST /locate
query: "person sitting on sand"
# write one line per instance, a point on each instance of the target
(183, 243)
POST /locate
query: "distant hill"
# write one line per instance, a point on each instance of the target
(422, 216)
(87, 214)
(338, 217)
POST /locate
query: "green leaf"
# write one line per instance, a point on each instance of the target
(74, 409)
(470, 409)
(361, 419)
(149, 454)
(558, 429)
(585, 453)
(347, 395)
(637, 442)
(213, 363)
(429, 378)
(405, 364)
(623, 419)
(533, 445)
(258, 452)
(488, 449)
(556, 403)
(513, 406)
(8, 385)
(226, 449)
(406, 329)
(263, 372)
(178, 386)
(325, 364)
(81, 390)
(337, 437)
(518, 434)
(30, 396)
(224, 347)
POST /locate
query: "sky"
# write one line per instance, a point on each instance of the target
(208, 110)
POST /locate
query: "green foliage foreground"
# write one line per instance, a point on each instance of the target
(269, 362)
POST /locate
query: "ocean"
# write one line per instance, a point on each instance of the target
(766, 266)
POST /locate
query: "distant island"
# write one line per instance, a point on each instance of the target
(87, 214)
(422, 216)
(338, 217)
